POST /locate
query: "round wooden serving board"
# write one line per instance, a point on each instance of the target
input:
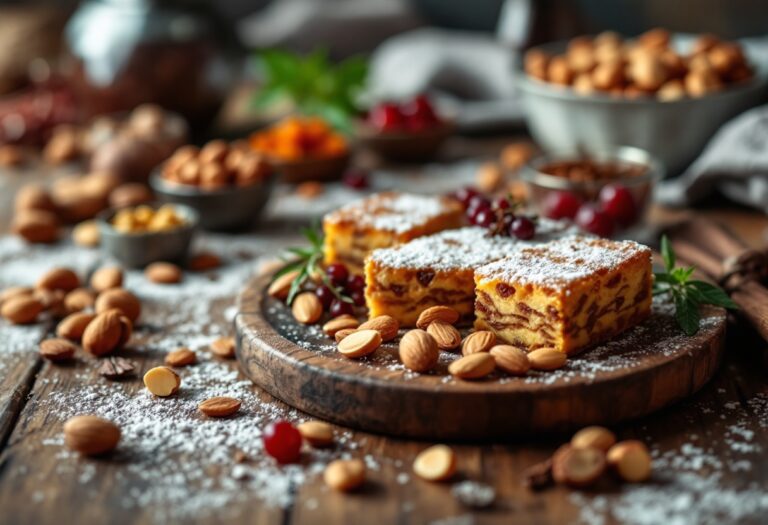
(643, 370)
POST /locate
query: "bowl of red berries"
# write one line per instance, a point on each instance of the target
(409, 131)
(604, 193)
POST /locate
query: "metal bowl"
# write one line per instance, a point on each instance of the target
(227, 209)
(675, 132)
(136, 250)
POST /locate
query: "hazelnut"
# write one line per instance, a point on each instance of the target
(559, 71)
(536, 63)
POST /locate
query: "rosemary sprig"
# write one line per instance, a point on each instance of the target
(687, 294)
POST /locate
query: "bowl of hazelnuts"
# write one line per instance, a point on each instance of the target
(667, 95)
(227, 184)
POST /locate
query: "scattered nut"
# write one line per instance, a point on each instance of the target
(419, 351)
(480, 341)
(162, 381)
(224, 347)
(580, 467)
(511, 359)
(73, 325)
(21, 309)
(107, 332)
(386, 325)
(307, 308)
(343, 322)
(445, 314)
(489, 177)
(345, 474)
(360, 343)
(473, 366)
(204, 261)
(79, 299)
(121, 299)
(107, 278)
(319, 434)
(446, 335)
(57, 349)
(631, 460)
(86, 234)
(36, 226)
(117, 368)
(59, 279)
(595, 437)
(219, 406)
(341, 334)
(91, 435)
(547, 359)
(282, 285)
(180, 357)
(163, 273)
(437, 463)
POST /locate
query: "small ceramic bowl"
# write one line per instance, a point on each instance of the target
(405, 146)
(228, 209)
(320, 169)
(136, 250)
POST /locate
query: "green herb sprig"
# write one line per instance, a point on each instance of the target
(307, 262)
(687, 294)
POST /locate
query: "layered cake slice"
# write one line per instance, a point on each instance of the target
(383, 220)
(439, 270)
(568, 294)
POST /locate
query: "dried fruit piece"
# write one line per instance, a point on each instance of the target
(180, 357)
(106, 333)
(21, 309)
(345, 474)
(341, 334)
(219, 406)
(437, 463)
(445, 314)
(282, 441)
(386, 325)
(107, 278)
(163, 273)
(480, 341)
(446, 335)
(224, 347)
(472, 366)
(343, 322)
(162, 381)
(307, 308)
(91, 435)
(57, 349)
(631, 460)
(117, 368)
(579, 467)
(511, 359)
(596, 437)
(282, 285)
(121, 299)
(360, 343)
(419, 351)
(59, 279)
(73, 326)
(319, 434)
(546, 359)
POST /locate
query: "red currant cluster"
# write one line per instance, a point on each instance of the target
(355, 178)
(615, 208)
(414, 115)
(282, 441)
(344, 284)
(498, 215)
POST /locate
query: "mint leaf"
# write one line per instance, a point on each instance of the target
(687, 313)
(667, 253)
(681, 275)
(711, 294)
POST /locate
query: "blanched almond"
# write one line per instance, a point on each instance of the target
(219, 406)
(59, 279)
(162, 381)
(386, 325)
(73, 325)
(121, 299)
(547, 359)
(580, 467)
(480, 341)
(437, 463)
(446, 335)
(445, 314)
(345, 474)
(319, 434)
(341, 322)
(91, 435)
(419, 351)
(511, 359)
(21, 309)
(473, 366)
(180, 357)
(224, 347)
(596, 437)
(282, 285)
(163, 273)
(360, 343)
(107, 278)
(631, 460)
(341, 334)
(57, 349)
(307, 308)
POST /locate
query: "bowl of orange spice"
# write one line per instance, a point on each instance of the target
(303, 148)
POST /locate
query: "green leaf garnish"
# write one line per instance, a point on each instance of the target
(687, 294)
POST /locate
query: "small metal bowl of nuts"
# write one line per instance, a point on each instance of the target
(657, 92)
(227, 184)
(138, 236)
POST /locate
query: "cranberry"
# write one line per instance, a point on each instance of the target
(595, 220)
(500, 203)
(561, 205)
(355, 283)
(339, 307)
(484, 218)
(523, 228)
(420, 110)
(463, 195)
(356, 179)
(386, 117)
(282, 441)
(358, 296)
(338, 273)
(619, 203)
(325, 295)
(507, 220)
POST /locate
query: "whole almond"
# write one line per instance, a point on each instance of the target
(580, 467)
(91, 435)
(319, 434)
(558, 474)
(34, 197)
(59, 279)
(282, 285)
(547, 359)
(107, 278)
(595, 437)
(36, 226)
(162, 381)
(21, 309)
(344, 474)
(163, 273)
(386, 325)
(52, 301)
(79, 299)
(180, 357)
(107, 332)
(360, 343)
(307, 308)
(223, 347)
(15, 291)
(342, 322)
(86, 234)
(121, 299)
(445, 314)
(341, 334)
(631, 460)
(480, 341)
(203, 262)
(73, 325)
(511, 359)
(437, 463)
(472, 366)
(446, 335)
(57, 349)
(219, 406)
(419, 351)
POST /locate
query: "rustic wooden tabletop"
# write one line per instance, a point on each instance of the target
(174, 465)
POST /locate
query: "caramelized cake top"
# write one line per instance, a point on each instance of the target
(563, 262)
(392, 211)
(463, 248)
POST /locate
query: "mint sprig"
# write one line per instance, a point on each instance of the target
(687, 294)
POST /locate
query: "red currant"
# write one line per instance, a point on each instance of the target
(523, 228)
(593, 219)
(479, 202)
(325, 295)
(500, 203)
(356, 179)
(386, 117)
(338, 273)
(358, 296)
(484, 218)
(463, 195)
(282, 441)
(619, 203)
(420, 110)
(355, 283)
(561, 205)
(339, 307)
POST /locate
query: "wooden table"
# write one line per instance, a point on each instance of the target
(174, 465)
